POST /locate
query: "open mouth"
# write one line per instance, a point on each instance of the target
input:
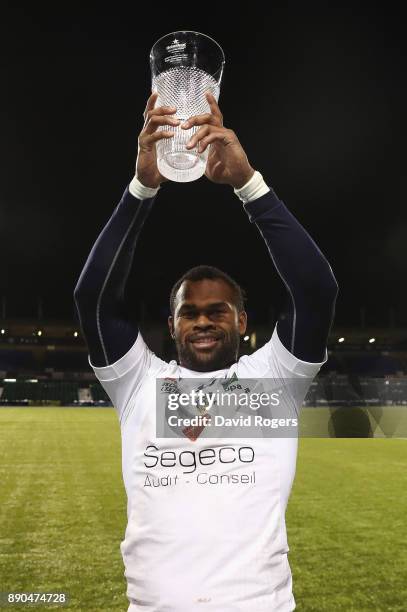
(205, 342)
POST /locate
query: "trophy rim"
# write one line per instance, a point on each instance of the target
(189, 32)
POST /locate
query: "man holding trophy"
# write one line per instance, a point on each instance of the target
(206, 516)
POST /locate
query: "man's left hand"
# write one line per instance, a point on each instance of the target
(227, 160)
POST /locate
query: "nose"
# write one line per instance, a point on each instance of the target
(202, 321)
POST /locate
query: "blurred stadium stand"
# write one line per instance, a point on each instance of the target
(46, 362)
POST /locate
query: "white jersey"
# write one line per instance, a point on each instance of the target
(202, 535)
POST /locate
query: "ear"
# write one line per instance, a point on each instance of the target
(171, 326)
(242, 322)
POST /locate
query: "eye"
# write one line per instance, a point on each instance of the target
(188, 315)
(218, 312)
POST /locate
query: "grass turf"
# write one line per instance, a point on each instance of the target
(63, 514)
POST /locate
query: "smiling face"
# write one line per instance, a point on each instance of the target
(206, 325)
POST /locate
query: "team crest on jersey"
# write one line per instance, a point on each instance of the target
(169, 385)
(232, 383)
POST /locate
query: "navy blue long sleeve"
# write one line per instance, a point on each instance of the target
(100, 291)
(303, 327)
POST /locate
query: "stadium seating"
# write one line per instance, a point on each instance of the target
(357, 372)
(41, 392)
(16, 360)
(64, 361)
(99, 394)
(373, 365)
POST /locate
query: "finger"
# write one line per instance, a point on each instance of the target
(157, 120)
(200, 120)
(213, 105)
(150, 102)
(159, 135)
(160, 110)
(221, 136)
(197, 136)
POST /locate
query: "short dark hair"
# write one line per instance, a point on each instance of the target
(203, 272)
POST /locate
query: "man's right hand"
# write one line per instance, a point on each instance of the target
(146, 165)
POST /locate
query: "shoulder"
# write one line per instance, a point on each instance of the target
(123, 377)
(273, 359)
(139, 358)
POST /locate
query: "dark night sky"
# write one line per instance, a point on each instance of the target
(315, 99)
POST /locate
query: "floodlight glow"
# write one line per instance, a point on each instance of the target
(75, 334)
(3, 331)
(371, 340)
(342, 339)
(39, 333)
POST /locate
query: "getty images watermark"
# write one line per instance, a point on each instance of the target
(229, 408)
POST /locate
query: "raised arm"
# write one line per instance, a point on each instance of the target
(100, 291)
(304, 325)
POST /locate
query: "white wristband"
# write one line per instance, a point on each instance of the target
(140, 191)
(254, 188)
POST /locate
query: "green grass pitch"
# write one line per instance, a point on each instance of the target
(63, 514)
